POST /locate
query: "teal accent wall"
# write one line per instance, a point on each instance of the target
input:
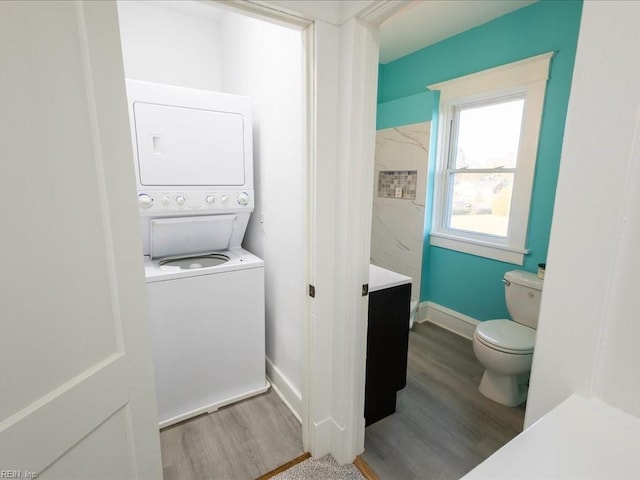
(467, 283)
(405, 111)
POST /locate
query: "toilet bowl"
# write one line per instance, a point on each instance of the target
(505, 347)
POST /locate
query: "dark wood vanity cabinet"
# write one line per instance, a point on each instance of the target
(387, 347)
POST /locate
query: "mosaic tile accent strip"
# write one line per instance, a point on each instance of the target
(397, 184)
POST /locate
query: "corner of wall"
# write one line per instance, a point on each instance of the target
(405, 110)
(428, 217)
(449, 319)
(381, 69)
(285, 389)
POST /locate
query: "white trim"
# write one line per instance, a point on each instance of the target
(326, 435)
(342, 113)
(421, 314)
(527, 77)
(380, 11)
(356, 144)
(214, 407)
(479, 248)
(267, 11)
(309, 376)
(358, 82)
(451, 320)
(530, 70)
(281, 385)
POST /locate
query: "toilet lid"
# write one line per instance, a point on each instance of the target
(507, 336)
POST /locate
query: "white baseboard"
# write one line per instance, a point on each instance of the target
(213, 407)
(421, 314)
(448, 319)
(289, 395)
(332, 438)
(322, 433)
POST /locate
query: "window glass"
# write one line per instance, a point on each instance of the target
(481, 202)
(488, 135)
(485, 140)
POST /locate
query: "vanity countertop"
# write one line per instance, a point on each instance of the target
(381, 278)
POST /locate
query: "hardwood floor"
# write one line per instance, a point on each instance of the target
(443, 427)
(242, 441)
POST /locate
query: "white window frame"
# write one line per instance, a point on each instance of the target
(527, 78)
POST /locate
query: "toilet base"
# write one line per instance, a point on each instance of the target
(509, 390)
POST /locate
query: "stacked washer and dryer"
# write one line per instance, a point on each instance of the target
(194, 171)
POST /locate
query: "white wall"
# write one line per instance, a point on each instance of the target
(176, 46)
(264, 61)
(397, 230)
(588, 327)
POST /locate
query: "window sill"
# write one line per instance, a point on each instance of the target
(493, 251)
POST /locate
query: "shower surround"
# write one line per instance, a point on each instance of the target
(399, 192)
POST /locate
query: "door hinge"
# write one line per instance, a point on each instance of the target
(312, 291)
(365, 289)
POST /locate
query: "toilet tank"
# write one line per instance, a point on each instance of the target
(522, 292)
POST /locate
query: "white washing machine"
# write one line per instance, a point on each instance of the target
(207, 331)
(194, 168)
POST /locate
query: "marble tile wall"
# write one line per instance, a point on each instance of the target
(398, 223)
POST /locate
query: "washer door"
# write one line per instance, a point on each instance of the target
(197, 235)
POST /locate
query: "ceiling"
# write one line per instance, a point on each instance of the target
(417, 24)
(424, 22)
(204, 10)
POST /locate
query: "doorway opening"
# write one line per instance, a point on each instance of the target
(208, 46)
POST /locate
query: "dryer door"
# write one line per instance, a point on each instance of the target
(188, 146)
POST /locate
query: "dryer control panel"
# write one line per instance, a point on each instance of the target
(153, 203)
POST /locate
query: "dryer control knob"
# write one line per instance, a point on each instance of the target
(224, 198)
(243, 198)
(144, 200)
(180, 200)
(166, 199)
(210, 199)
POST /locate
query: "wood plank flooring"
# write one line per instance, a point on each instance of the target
(443, 427)
(242, 441)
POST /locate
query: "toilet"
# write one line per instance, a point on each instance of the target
(505, 347)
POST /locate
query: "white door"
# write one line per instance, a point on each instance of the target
(77, 395)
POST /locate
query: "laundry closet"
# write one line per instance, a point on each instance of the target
(177, 45)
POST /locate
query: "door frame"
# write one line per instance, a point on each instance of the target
(340, 140)
(341, 67)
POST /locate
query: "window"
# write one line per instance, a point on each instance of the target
(483, 157)
(488, 124)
